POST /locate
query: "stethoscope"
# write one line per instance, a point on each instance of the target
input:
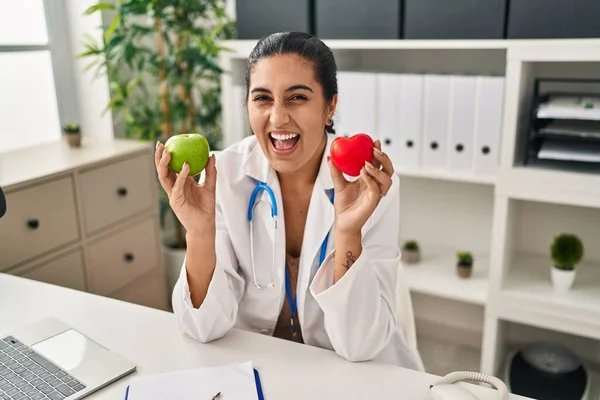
(274, 211)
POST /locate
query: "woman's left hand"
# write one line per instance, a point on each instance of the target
(356, 201)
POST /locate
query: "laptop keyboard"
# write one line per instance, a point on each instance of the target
(25, 374)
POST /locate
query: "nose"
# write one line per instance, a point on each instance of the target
(279, 115)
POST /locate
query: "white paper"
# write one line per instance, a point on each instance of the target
(233, 381)
(571, 107)
(584, 152)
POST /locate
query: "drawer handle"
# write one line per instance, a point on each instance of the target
(33, 223)
(122, 192)
(128, 257)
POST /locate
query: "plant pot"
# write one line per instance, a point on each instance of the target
(464, 271)
(562, 280)
(74, 139)
(174, 258)
(411, 256)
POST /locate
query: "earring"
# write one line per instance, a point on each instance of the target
(329, 122)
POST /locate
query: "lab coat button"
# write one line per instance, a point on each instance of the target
(264, 331)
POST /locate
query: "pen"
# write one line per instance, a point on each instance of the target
(216, 396)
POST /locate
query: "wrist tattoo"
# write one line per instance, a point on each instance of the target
(350, 259)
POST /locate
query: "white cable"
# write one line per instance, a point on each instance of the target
(477, 377)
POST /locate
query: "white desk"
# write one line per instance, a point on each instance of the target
(151, 339)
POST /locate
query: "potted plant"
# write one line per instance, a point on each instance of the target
(566, 251)
(73, 134)
(464, 264)
(410, 252)
(162, 63)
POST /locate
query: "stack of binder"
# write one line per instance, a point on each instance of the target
(449, 123)
(565, 125)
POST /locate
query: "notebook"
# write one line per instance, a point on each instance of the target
(237, 381)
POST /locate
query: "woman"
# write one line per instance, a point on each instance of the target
(327, 276)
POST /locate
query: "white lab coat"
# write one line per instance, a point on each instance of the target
(356, 317)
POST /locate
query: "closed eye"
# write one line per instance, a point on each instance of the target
(298, 97)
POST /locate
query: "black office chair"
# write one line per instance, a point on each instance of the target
(2, 203)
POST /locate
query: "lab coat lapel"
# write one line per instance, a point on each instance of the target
(319, 221)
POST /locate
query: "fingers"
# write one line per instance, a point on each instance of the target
(384, 181)
(178, 188)
(384, 160)
(166, 177)
(370, 181)
(339, 182)
(210, 180)
(375, 161)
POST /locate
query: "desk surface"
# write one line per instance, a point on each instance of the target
(151, 339)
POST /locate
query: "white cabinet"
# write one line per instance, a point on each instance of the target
(85, 218)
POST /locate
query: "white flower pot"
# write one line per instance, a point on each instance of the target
(562, 280)
(173, 263)
(410, 256)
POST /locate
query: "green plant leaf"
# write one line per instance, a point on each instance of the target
(113, 26)
(99, 7)
(566, 251)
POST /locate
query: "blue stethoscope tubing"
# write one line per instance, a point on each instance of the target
(274, 212)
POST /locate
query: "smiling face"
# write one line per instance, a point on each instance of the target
(288, 111)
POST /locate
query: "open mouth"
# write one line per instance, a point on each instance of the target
(284, 142)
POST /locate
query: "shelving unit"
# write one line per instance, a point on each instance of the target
(507, 219)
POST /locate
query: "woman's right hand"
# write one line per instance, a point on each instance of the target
(192, 203)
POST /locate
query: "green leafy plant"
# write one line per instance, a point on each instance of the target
(566, 251)
(411, 245)
(71, 128)
(161, 60)
(465, 259)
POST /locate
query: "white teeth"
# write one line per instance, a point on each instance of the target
(283, 136)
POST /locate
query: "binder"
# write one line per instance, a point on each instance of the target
(363, 103)
(488, 124)
(410, 125)
(462, 123)
(435, 123)
(387, 110)
(343, 113)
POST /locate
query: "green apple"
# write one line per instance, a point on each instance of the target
(191, 148)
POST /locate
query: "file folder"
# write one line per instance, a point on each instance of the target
(410, 125)
(462, 123)
(388, 107)
(356, 103)
(488, 126)
(435, 123)
(343, 113)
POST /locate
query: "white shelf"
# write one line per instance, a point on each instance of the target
(552, 186)
(485, 213)
(242, 48)
(445, 175)
(436, 275)
(528, 297)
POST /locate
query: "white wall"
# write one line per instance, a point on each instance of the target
(92, 94)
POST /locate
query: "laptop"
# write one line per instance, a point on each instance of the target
(51, 360)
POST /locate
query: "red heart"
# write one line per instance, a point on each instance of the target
(349, 154)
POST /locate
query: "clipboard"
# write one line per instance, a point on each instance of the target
(259, 390)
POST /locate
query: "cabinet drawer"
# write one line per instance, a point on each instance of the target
(122, 257)
(116, 191)
(67, 271)
(149, 293)
(38, 219)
